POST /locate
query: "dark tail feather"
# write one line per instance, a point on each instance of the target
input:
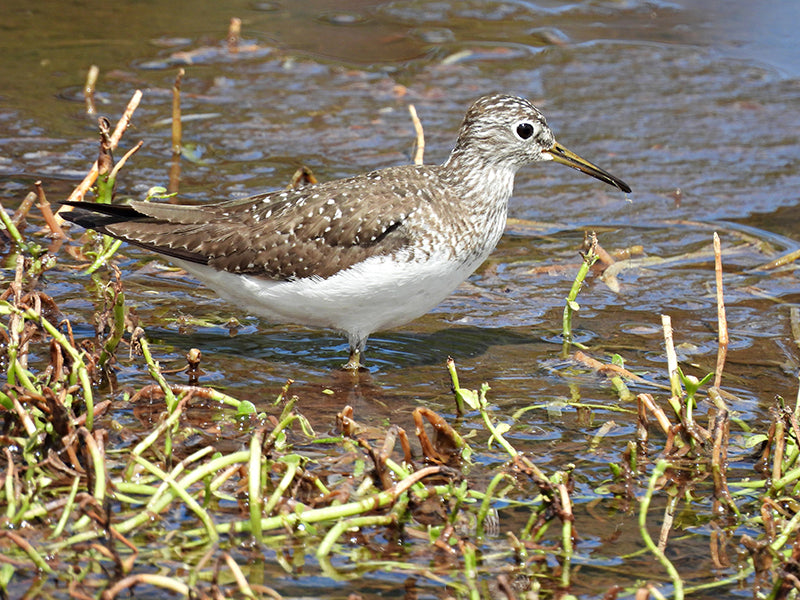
(99, 217)
(91, 215)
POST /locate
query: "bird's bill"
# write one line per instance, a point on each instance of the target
(558, 153)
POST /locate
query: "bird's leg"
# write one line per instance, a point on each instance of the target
(357, 345)
(354, 362)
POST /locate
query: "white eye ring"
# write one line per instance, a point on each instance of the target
(524, 130)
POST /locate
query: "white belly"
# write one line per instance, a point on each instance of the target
(371, 296)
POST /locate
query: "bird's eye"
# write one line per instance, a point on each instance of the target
(524, 130)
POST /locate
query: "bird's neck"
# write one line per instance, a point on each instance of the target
(482, 185)
(483, 189)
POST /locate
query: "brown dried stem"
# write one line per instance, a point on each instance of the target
(23, 209)
(123, 123)
(420, 151)
(88, 89)
(446, 440)
(720, 431)
(177, 133)
(672, 363)
(646, 401)
(722, 351)
(47, 212)
(234, 35)
(125, 158)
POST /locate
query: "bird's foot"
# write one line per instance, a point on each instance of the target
(354, 363)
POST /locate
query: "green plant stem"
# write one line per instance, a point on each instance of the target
(67, 510)
(254, 484)
(451, 368)
(12, 230)
(566, 535)
(79, 369)
(342, 526)
(32, 553)
(401, 472)
(571, 306)
(163, 427)
(119, 329)
(19, 373)
(10, 492)
(198, 474)
(110, 247)
(496, 435)
(6, 401)
(180, 491)
(328, 513)
(278, 431)
(677, 582)
(155, 373)
(486, 504)
(470, 570)
(98, 464)
(292, 462)
(159, 581)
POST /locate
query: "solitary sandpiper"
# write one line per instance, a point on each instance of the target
(357, 255)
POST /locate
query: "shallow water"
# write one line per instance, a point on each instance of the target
(695, 106)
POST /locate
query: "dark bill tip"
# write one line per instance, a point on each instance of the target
(562, 155)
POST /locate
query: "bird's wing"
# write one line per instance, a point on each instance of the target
(313, 231)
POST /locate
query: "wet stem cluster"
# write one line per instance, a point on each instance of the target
(76, 512)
